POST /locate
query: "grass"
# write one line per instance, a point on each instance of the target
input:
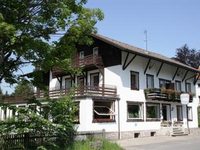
(97, 144)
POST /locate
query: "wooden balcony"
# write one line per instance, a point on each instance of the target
(97, 91)
(94, 61)
(164, 95)
(90, 60)
(14, 100)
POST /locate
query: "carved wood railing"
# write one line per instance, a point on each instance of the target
(87, 61)
(164, 94)
(103, 90)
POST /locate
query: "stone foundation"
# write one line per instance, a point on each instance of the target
(165, 131)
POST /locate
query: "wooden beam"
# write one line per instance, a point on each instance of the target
(195, 81)
(175, 73)
(185, 75)
(126, 65)
(160, 68)
(127, 55)
(145, 70)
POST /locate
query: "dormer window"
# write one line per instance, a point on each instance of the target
(95, 51)
(81, 54)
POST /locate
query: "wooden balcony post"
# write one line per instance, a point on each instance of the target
(103, 88)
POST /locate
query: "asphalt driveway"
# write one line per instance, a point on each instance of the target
(162, 143)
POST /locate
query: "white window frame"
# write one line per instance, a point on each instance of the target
(81, 55)
(110, 112)
(178, 87)
(95, 51)
(149, 76)
(158, 111)
(179, 112)
(140, 113)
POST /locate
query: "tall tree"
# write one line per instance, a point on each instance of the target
(24, 89)
(188, 56)
(26, 28)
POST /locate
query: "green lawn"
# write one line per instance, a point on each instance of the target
(98, 144)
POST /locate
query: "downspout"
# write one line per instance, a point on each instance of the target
(119, 129)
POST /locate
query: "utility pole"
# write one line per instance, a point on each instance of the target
(145, 33)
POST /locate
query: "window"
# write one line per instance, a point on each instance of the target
(153, 111)
(103, 111)
(68, 83)
(178, 86)
(134, 80)
(95, 51)
(179, 113)
(94, 79)
(76, 116)
(81, 54)
(164, 84)
(189, 113)
(150, 81)
(134, 111)
(188, 87)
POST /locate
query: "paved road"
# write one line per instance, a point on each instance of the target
(162, 143)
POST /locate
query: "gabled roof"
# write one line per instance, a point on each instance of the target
(142, 52)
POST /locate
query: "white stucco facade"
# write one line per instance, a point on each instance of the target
(113, 114)
(120, 78)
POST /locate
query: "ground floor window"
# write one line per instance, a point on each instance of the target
(153, 112)
(103, 111)
(189, 113)
(76, 116)
(134, 111)
(179, 113)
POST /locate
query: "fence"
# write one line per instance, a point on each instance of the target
(26, 140)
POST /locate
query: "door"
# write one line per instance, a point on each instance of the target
(166, 112)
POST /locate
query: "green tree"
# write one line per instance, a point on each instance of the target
(62, 113)
(188, 56)
(26, 28)
(24, 89)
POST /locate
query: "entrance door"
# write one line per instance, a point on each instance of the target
(166, 113)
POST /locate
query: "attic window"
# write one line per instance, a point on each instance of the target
(103, 111)
(81, 54)
(95, 51)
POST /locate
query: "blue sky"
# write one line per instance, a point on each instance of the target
(169, 23)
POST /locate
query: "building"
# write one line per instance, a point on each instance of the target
(127, 91)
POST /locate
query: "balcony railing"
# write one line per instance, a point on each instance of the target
(88, 61)
(102, 91)
(15, 99)
(164, 94)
